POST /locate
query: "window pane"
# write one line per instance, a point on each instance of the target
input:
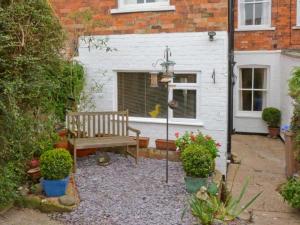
(258, 13)
(259, 78)
(249, 14)
(246, 78)
(136, 95)
(131, 2)
(186, 104)
(259, 100)
(246, 100)
(185, 78)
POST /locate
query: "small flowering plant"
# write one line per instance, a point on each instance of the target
(189, 138)
(285, 128)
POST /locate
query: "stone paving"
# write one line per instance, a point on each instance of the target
(263, 161)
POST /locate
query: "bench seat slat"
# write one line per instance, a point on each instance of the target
(101, 142)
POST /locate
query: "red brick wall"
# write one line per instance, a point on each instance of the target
(189, 16)
(284, 37)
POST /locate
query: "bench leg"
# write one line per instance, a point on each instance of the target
(75, 160)
(137, 154)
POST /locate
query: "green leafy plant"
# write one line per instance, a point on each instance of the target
(197, 161)
(294, 89)
(271, 116)
(56, 164)
(207, 207)
(189, 138)
(10, 179)
(291, 193)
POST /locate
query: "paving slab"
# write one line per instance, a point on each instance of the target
(262, 160)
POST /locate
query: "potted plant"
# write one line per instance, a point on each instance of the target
(55, 166)
(272, 117)
(198, 164)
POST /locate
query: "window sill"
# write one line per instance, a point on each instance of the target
(143, 9)
(296, 27)
(164, 121)
(248, 114)
(255, 29)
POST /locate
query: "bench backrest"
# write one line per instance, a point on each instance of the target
(98, 124)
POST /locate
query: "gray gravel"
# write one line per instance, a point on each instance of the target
(123, 193)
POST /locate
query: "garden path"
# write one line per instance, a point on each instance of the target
(263, 161)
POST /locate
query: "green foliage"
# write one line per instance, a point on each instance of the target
(36, 82)
(207, 207)
(291, 193)
(197, 161)
(204, 140)
(294, 89)
(10, 178)
(56, 164)
(271, 116)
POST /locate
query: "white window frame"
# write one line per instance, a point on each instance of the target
(244, 113)
(254, 27)
(298, 13)
(172, 86)
(142, 7)
(186, 86)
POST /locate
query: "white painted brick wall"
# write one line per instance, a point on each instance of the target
(191, 52)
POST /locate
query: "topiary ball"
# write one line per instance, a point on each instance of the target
(271, 116)
(197, 161)
(56, 164)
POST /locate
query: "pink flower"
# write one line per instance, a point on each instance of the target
(177, 134)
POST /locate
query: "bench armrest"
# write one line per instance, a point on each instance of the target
(138, 132)
(71, 134)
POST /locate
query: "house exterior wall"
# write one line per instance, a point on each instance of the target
(264, 48)
(283, 33)
(188, 16)
(192, 52)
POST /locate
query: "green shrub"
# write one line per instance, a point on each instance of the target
(291, 193)
(271, 116)
(197, 161)
(10, 179)
(56, 164)
(197, 138)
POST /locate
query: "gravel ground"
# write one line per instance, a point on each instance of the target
(123, 193)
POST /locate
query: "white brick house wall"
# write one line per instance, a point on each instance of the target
(192, 52)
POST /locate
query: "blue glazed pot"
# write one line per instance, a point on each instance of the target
(55, 188)
(193, 184)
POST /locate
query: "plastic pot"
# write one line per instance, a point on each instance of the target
(55, 188)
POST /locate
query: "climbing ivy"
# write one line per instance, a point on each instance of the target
(294, 88)
(36, 84)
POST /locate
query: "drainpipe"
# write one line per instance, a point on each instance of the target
(230, 74)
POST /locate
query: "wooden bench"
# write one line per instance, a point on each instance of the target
(99, 130)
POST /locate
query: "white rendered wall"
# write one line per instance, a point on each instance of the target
(251, 122)
(191, 52)
(279, 71)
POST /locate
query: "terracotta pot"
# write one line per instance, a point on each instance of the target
(35, 173)
(62, 144)
(84, 152)
(274, 132)
(291, 163)
(62, 133)
(162, 144)
(34, 163)
(143, 142)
